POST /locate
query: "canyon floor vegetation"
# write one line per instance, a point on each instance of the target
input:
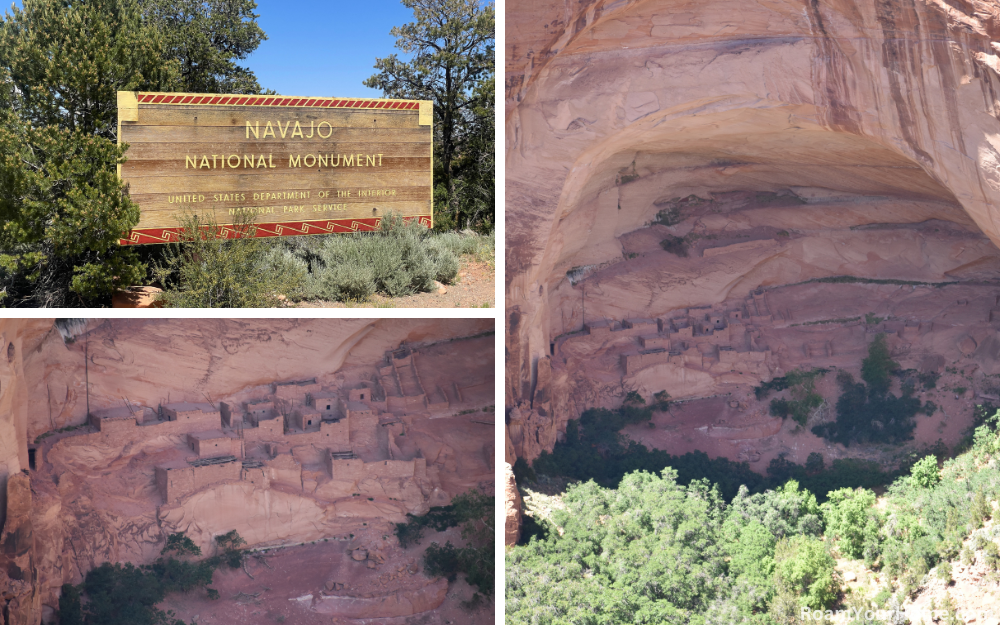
(473, 512)
(656, 548)
(124, 594)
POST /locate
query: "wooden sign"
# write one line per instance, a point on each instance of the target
(294, 165)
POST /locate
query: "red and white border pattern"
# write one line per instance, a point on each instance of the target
(142, 236)
(268, 100)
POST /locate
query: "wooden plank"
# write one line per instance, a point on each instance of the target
(280, 213)
(182, 167)
(157, 151)
(166, 201)
(131, 133)
(274, 182)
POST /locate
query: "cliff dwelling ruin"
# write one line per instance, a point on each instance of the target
(704, 196)
(310, 438)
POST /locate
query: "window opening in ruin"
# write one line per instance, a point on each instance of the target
(31, 459)
(310, 421)
(362, 396)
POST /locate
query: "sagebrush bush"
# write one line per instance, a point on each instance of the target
(208, 270)
(401, 258)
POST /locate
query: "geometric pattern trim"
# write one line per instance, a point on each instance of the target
(143, 236)
(267, 100)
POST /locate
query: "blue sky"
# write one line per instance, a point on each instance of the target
(324, 47)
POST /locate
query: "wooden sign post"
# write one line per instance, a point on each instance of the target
(293, 166)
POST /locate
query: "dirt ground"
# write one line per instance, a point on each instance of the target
(289, 583)
(475, 287)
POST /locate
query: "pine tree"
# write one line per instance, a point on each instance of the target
(62, 62)
(452, 45)
(204, 36)
(61, 203)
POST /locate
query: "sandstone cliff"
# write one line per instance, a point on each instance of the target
(663, 157)
(87, 491)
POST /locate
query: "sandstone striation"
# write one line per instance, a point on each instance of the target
(289, 432)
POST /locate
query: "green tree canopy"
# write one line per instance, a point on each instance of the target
(62, 62)
(205, 36)
(61, 202)
(875, 369)
(648, 552)
(451, 48)
(852, 519)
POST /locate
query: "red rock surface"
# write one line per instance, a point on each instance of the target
(782, 142)
(94, 493)
(321, 583)
(512, 507)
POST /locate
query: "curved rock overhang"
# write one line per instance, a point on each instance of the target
(628, 122)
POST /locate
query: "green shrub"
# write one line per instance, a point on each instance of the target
(119, 594)
(231, 547)
(851, 519)
(991, 555)
(179, 576)
(70, 609)
(445, 262)
(867, 415)
(882, 596)
(225, 267)
(967, 556)
(474, 511)
(815, 463)
(875, 369)
(609, 564)
(401, 258)
(344, 282)
(806, 568)
(180, 544)
(662, 400)
(774, 385)
(925, 473)
(633, 398)
(784, 511)
(981, 509)
(944, 572)
(468, 509)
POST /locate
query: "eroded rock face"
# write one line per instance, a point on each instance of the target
(664, 157)
(20, 599)
(512, 507)
(404, 424)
